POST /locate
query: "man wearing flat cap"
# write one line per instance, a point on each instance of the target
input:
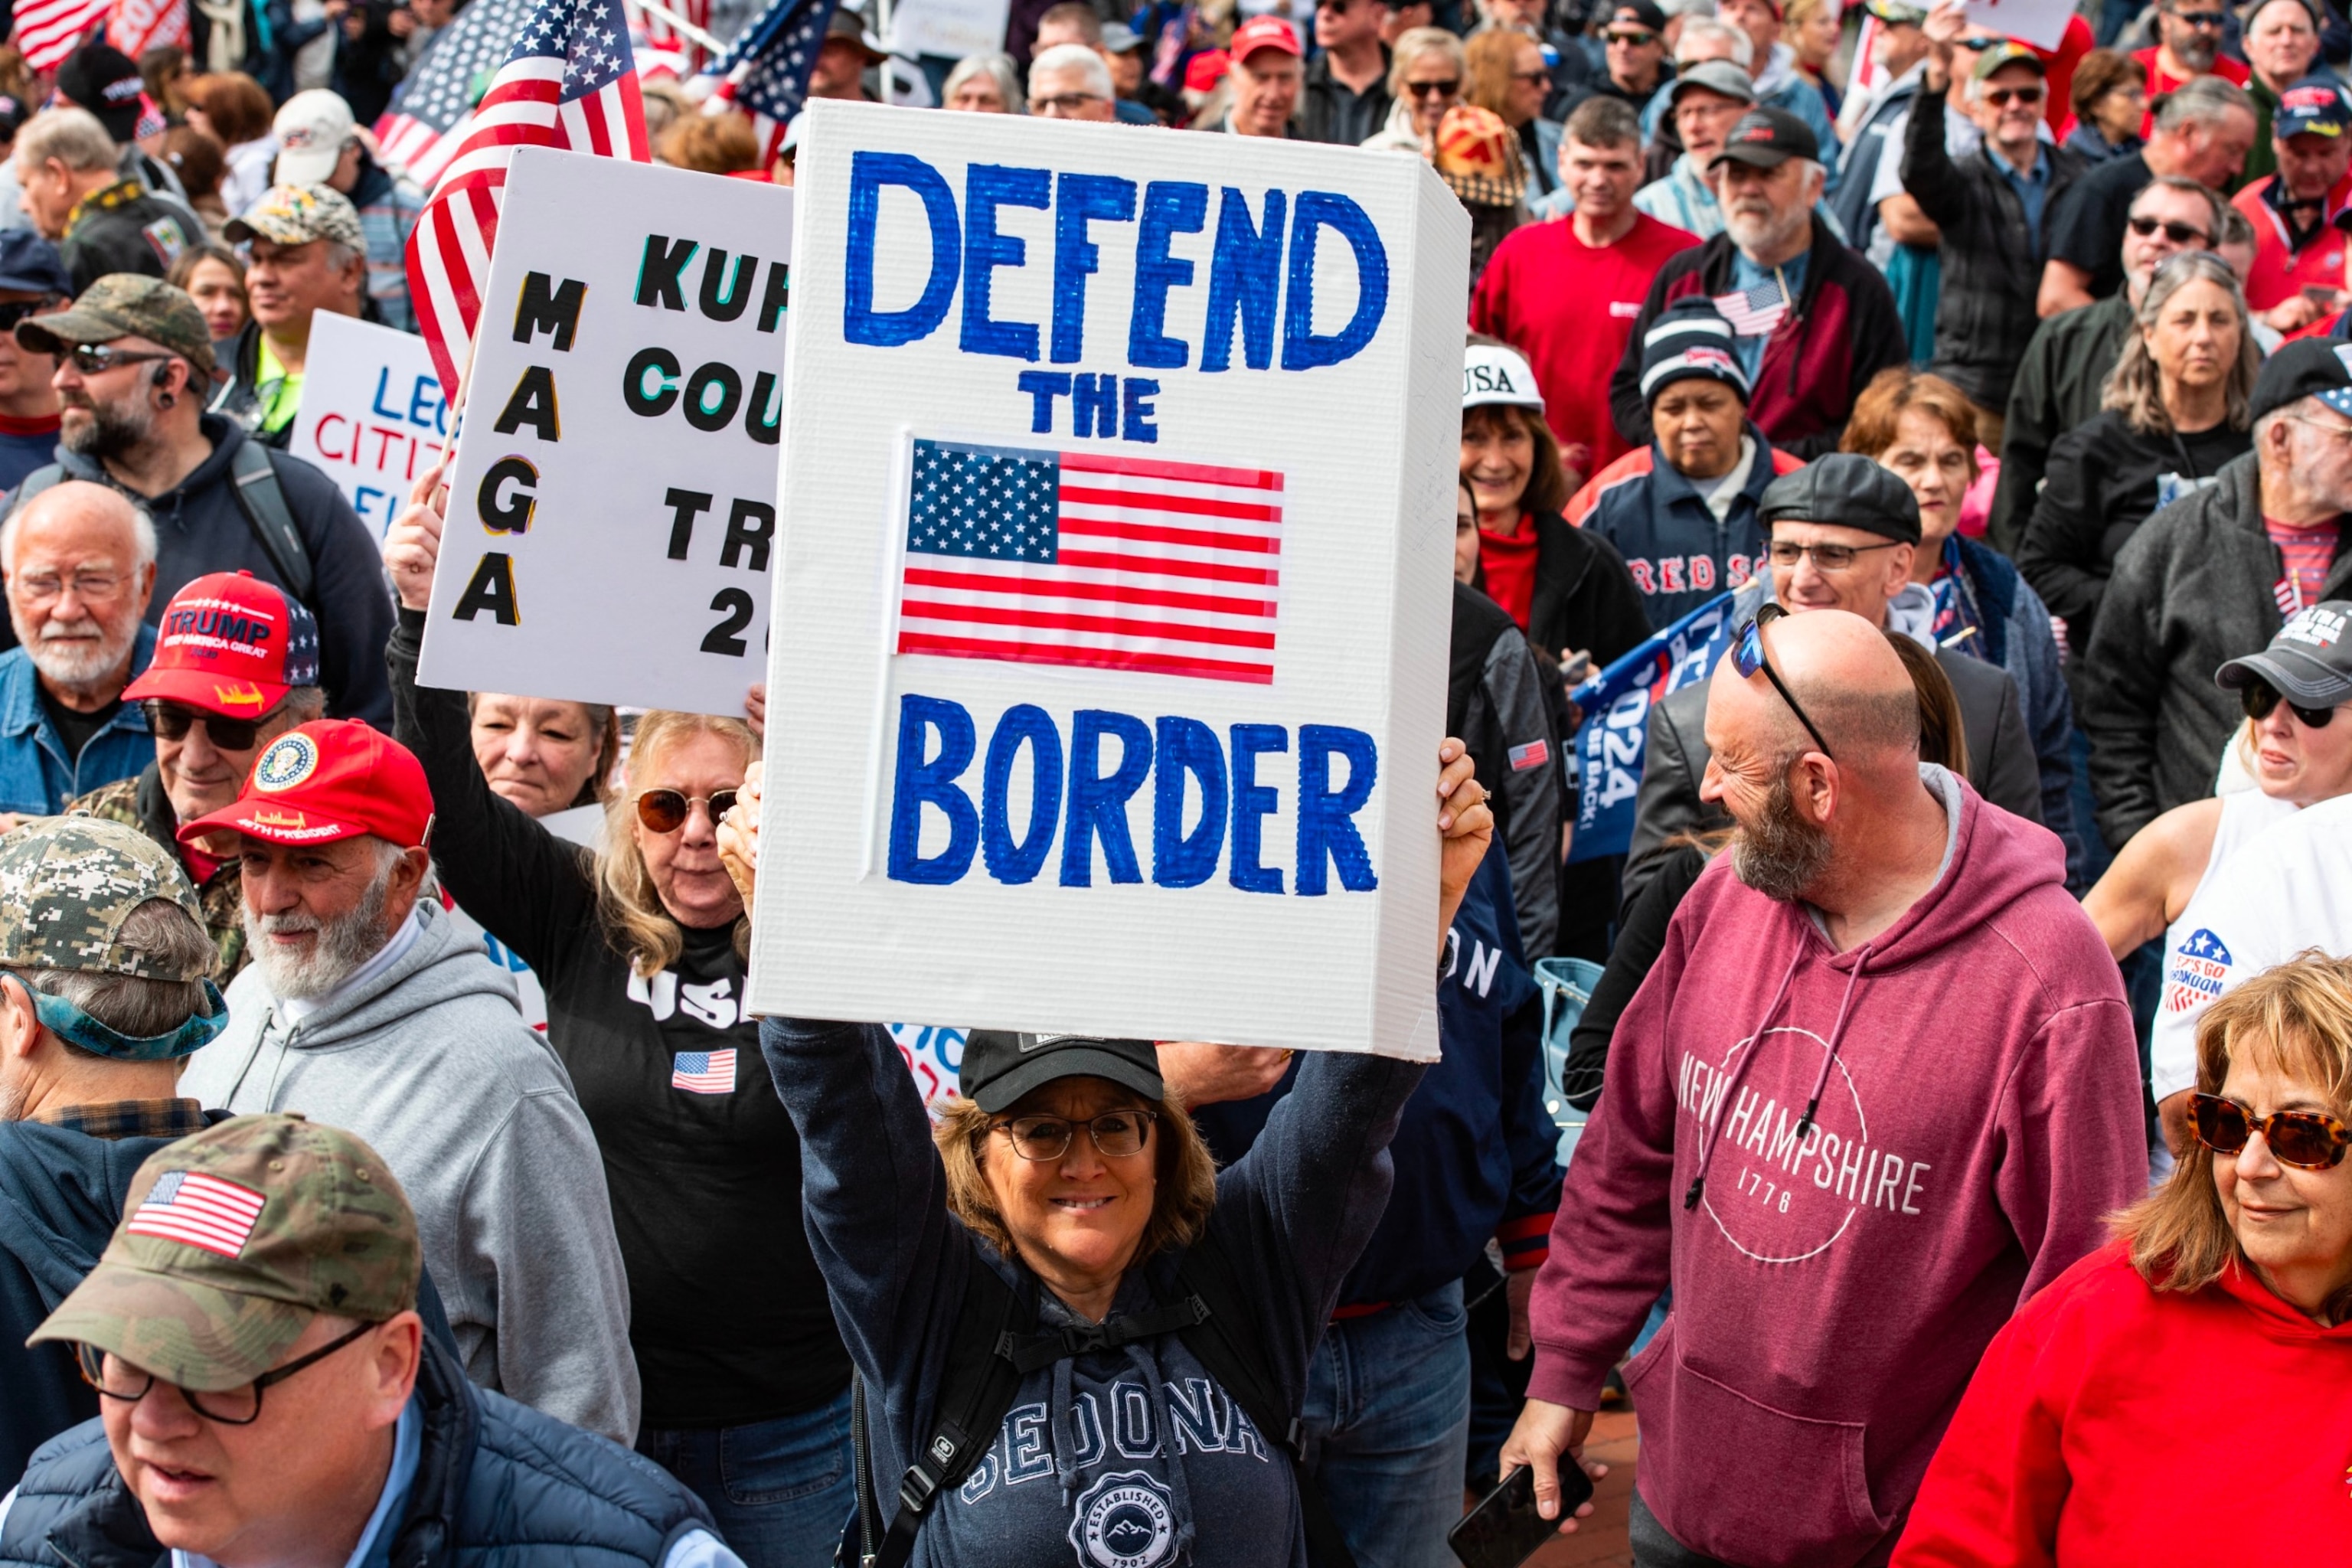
(1840, 534)
(105, 989)
(266, 1392)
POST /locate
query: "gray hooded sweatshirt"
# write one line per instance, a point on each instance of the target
(430, 1061)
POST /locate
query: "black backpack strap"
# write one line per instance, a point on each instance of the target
(31, 484)
(263, 500)
(1226, 1344)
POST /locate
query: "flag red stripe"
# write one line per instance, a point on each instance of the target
(1168, 568)
(1199, 506)
(1107, 626)
(1149, 533)
(1091, 658)
(1149, 468)
(1119, 593)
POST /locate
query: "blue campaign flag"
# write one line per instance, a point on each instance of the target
(1616, 707)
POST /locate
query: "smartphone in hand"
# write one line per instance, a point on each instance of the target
(1505, 1529)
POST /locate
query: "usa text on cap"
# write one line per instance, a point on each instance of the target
(1497, 373)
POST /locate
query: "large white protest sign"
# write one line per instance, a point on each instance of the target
(371, 416)
(1109, 666)
(612, 518)
(2042, 23)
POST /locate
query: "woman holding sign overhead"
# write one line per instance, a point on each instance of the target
(636, 943)
(1073, 1331)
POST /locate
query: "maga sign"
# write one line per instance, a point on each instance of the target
(1111, 622)
(612, 520)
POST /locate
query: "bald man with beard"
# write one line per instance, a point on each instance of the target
(1879, 1089)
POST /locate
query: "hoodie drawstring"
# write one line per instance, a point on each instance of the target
(1754, 1044)
(1837, 1032)
(1066, 1446)
(1147, 1368)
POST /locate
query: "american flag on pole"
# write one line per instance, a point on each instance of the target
(664, 45)
(197, 1210)
(1088, 558)
(428, 121)
(46, 31)
(570, 82)
(1755, 312)
(765, 71)
(703, 1072)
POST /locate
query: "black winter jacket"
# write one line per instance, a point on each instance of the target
(2193, 589)
(1584, 597)
(498, 1485)
(1495, 705)
(2057, 388)
(1992, 267)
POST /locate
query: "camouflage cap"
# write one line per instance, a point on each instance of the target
(124, 305)
(297, 215)
(232, 1240)
(68, 883)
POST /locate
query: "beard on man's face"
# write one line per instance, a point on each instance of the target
(94, 429)
(1779, 854)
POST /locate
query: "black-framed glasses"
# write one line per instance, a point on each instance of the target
(1445, 88)
(1116, 1134)
(115, 1378)
(94, 359)
(2261, 699)
(666, 810)
(1826, 557)
(1748, 657)
(170, 722)
(2307, 1140)
(2174, 230)
(1066, 102)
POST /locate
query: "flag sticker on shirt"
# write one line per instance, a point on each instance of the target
(2199, 966)
(1534, 754)
(197, 1210)
(1755, 312)
(704, 1072)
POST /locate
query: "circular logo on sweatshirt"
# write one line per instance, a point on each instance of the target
(290, 760)
(1124, 1520)
(1781, 1186)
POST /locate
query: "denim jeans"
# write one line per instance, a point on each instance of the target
(1387, 1429)
(779, 1491)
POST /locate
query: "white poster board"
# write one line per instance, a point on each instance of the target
(1083, 595)
(371, 416)
(2042, 23)
(611, 520)
(952, 28)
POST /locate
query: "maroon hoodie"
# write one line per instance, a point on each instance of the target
(1835, 1283)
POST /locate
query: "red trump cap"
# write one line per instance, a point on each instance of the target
(326, 780)
(1262, 33)
(232, 644)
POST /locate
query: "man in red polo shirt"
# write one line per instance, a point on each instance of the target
(2299, 250)
(2189, 45)
(1565, 293)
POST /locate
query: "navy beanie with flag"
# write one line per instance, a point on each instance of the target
(1690, 340)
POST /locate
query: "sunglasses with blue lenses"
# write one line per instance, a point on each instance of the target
(1748, 657)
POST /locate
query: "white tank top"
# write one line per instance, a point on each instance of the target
(2244, 815)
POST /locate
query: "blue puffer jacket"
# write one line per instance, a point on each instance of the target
(498, 1485)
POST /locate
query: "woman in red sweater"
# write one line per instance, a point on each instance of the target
(2184, 1395)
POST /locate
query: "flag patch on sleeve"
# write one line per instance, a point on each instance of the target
(1534, 754)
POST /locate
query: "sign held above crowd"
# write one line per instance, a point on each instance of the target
(1110, 631)
(373, 417)
(611, 520)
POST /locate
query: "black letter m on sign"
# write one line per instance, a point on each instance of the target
(546, 307)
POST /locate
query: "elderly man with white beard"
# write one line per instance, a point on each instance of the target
(80, 565)
(366, 1007)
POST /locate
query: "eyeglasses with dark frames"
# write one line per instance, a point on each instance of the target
(2307, 1140)
(115, 1378)
(1445, 88)
(1826, 557)
(2174, 230)
(2002, 97)
(96, 359)
(170, 722)
(2261, 699)
(1748, 657)
(1116, 1134)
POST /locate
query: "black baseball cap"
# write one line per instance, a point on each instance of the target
(1845, 489)
(1640, 13)
(1767, 138)
(2309, 663)
(2308, 367)
(106, 82)
(999, 1065)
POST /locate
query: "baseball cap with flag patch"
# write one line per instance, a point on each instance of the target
(328, 780)
(233, 1240)
(230, 643)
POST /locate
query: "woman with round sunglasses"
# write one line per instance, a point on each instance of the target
(2184, 1395)
(639, 946)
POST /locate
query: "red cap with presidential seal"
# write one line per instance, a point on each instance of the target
(330, 779)
(232, 644)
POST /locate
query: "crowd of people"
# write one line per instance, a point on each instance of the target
(1951, 432)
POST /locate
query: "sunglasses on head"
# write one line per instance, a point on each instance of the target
(2262, 700)
(2307, 1140)
(2178, 232)
(1748, 657)
(666, 810)
(2002, 97)
(170, 722)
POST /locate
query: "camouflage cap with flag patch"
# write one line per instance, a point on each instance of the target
(68, 883)
(233, 1240)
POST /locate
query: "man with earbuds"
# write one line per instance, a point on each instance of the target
(134, 366)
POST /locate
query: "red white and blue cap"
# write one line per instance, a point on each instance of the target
(1691, 341)
(2315, 103)
(230, 643)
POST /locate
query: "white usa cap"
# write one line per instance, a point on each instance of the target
(1494, 372)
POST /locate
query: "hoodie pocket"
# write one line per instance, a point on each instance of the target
(1740, 1479)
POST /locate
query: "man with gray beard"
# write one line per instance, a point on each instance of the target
(1815, 320)
(365, 1008)
(80, 566)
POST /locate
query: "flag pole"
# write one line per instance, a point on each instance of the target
(457, 398)
(679, 24)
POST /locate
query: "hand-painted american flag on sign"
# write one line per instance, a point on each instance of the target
(703, 1072)
(569, 81)
(1092, 559)
(191, 1207)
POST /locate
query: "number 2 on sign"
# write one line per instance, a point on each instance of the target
(1749, 1182)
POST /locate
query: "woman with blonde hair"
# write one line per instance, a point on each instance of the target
(2184, 1395)
(1427, 71)
(639, 944)
(1509, 79)
(2174, 410)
